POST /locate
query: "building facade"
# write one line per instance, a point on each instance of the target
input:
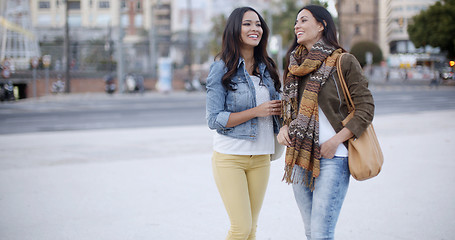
(358, 21)
(18, 40)
(384, 23)
(142, 26)
(399, 14)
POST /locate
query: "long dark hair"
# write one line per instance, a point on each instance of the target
(329, 34)
(230, 51)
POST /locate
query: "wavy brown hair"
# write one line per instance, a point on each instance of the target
(230, 51)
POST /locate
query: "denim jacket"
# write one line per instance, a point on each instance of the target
(220, 103)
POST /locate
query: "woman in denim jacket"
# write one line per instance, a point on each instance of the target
(243, 107)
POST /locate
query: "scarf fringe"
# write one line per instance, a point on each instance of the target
(293, 176)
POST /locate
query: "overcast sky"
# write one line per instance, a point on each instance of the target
(201, 4)
(332, 9)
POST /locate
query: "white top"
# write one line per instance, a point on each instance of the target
(326, 131)
(264, 143)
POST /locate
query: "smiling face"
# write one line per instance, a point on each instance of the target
(307, 29)
(251, 32)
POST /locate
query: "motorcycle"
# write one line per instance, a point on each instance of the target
(134, 83)
(195, 84)
(7, 91)
(58, 86)
(110, 84)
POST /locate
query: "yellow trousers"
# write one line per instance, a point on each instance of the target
(242, 181)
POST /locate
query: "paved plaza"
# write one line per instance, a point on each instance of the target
(156, 183)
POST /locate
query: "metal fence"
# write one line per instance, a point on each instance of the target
(98, 56)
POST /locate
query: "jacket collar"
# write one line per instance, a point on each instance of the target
(261, 65)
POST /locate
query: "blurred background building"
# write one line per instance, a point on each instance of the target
(383, 23)
(401, 51)
(121, 37)
(358, 21)
(18, 40)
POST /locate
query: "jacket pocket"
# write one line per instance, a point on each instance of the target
(240, 99)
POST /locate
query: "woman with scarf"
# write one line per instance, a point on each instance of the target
(313, 106)
(243, 107)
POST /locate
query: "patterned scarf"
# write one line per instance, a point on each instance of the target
(303, 121)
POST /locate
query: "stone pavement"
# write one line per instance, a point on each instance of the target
(156, 183)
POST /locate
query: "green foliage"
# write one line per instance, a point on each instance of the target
(321, 3)
(435, 26)
(361, 48)
(106, 65)
(219, 22)
(283, 21)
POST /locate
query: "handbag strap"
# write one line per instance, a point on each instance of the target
(344, 87)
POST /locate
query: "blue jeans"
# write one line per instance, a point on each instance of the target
(320, 209)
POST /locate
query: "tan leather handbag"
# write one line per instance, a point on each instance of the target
(364, 153)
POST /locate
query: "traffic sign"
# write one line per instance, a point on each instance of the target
(47, 60)
(6, 73)
(34, 61)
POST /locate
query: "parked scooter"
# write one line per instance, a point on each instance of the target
(134, 83)
(195, 84)
(110, 84)
(58, 86)
(7, 91)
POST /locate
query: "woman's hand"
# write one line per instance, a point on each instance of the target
(283, 136)
(266, 109)
(329, 148)
(269, 108)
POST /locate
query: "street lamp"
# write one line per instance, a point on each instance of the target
(189, 45)
(67, 50)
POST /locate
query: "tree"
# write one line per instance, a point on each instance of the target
(435, 26)
(319, 2)
(219, 22)
(283, 21)
(360, 49)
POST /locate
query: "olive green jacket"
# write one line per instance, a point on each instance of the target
(332, 102)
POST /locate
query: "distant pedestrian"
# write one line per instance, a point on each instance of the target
(435, 79)
(316, 162)
(406, 76)
(243, 106)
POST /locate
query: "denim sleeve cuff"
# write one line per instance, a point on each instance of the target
(223, 118)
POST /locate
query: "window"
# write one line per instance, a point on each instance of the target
(74, 20)
(124, 20)
(138, 6)
(44, 20)
(104, 4)
(103, 19)
(44, 4)
(138, 20)
(357, 30)
(164, 17)
(74, 5)
(357, 8)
